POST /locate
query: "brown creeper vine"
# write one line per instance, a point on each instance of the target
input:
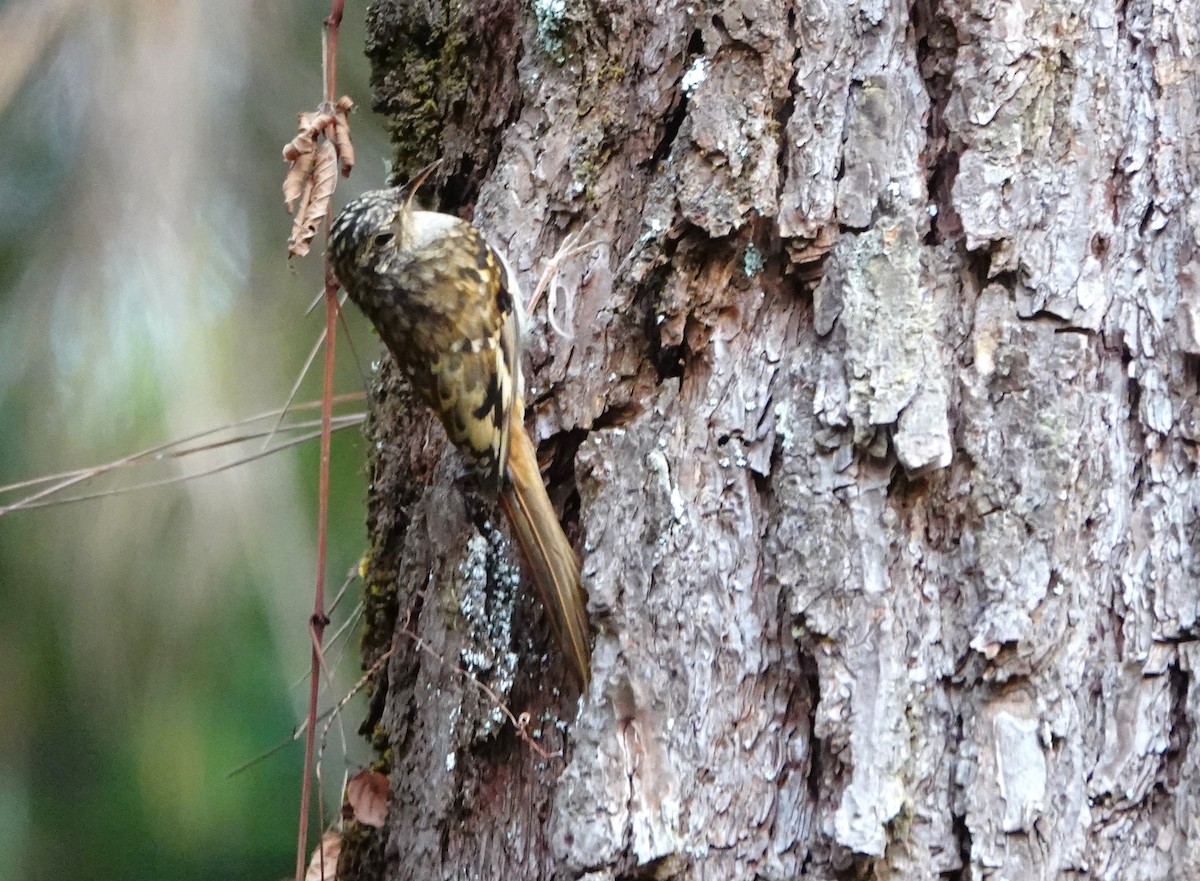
(448, 308)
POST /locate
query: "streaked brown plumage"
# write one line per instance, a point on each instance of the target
(448, 308)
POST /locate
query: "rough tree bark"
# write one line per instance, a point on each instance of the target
(876, 433)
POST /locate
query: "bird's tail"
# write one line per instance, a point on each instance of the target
(548, 556)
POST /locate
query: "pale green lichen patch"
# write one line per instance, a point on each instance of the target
(551, 16)
(487, 595)
(752, 262)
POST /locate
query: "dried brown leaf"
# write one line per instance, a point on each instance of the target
(341, 137)
(367, 795)
(314, 200)
(310, 126)
(321, 149)
(297, 244)
(323, 864)
(293, 182)
(303, 142)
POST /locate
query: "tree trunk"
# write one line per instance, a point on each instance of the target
(874, 430)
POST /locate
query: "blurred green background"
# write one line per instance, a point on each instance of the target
(154, 640)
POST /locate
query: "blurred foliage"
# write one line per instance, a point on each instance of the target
(154, 640)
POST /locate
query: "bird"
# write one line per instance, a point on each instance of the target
(448, 307)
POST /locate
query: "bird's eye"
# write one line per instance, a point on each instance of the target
(383, 239)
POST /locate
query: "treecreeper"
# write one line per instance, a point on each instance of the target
(448, 307)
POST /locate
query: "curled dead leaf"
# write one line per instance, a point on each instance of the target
(341, 136)
(315, 197)
(323, 864)
(321, 148)
(367, 796)
(310, 126)
(293, 182)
